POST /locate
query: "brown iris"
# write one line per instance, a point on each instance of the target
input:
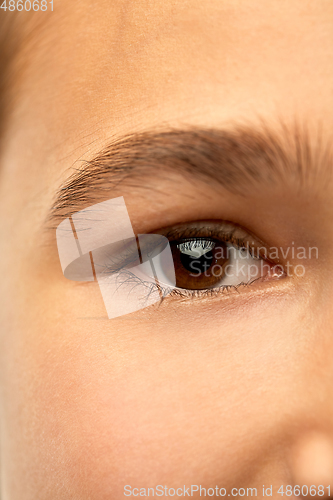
(199, 263)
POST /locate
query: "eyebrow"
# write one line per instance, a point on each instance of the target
(237, 159)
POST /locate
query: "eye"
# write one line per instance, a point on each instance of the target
(193, 260)
(199, 263)
(211, 256)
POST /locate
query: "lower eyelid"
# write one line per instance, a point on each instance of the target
(224, 290)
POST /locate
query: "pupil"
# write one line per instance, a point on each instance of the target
(197, 265)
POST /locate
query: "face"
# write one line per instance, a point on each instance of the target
(231, 389)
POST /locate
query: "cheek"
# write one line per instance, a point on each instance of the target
(110, 403)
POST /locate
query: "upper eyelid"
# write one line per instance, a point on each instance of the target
(207, 226)
(228, 231)
(131, 257)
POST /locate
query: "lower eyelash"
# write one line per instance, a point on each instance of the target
(165, 292)
(127, 277)
(209, 292)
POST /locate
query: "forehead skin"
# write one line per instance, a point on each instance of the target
(87, 407)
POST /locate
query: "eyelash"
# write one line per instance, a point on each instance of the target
(178, 234)
(212, 292)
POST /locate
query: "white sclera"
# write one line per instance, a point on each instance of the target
(126, 283)
(134, 288)
(161, 258)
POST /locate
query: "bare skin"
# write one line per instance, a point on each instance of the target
(234, 391)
